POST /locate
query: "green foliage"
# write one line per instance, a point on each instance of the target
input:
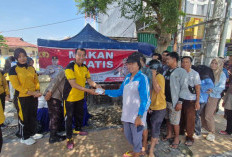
(2, 40)
(162, 16)
(93, 7)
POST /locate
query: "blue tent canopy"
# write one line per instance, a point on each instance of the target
(90, 38)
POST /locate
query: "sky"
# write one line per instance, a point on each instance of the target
(17, 14)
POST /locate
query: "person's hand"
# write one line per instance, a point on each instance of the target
(103, 92)
(92, 91)
(197, 106)
(138, 121)
(7, 97)
(154, 72)
(37, 94)
(100, 91)
(48, 95)
(51, 71)
(178, 107)
(209, 91)
(98, 86)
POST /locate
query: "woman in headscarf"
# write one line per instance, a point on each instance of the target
(25, 81)
(214, 95)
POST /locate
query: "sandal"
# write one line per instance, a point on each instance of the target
(143, 153)
(164, 139)
(173, 145)
(128, 154)
(189, 143)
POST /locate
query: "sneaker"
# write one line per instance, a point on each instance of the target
(204, 131)
(70, 144)
(82, 133)
(195, 136)
(222, 132)
(210, 137)
(37, 136)
(28, 141)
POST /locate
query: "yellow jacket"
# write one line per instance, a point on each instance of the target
(3, 84)
(7, 76)
(23, 79)
(2, 116)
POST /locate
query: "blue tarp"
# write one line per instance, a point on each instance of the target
(90, 38)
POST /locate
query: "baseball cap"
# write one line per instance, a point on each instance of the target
(134, 57)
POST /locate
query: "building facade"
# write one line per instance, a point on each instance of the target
(13, 43)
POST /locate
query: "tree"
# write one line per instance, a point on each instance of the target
(161, 16)
(2, 41)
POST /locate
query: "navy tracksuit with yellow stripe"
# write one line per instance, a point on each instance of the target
(23, 79)
(74, 98)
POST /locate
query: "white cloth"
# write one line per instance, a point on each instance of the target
(42, 103)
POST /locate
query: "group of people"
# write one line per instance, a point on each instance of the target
(184, 98)
(64, 96)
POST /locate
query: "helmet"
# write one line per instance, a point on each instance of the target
(155, 64)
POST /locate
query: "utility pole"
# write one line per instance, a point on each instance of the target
(212, 36)
(203, 46)
(225, 29)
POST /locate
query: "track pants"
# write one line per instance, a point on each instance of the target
(27, 116)
(76, 110)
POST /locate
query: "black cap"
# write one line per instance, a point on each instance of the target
(155, 64)
(134, 57)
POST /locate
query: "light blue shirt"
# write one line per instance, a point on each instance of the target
(136, 97)
(219, 87)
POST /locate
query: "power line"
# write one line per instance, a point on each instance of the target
(41, 25)
(128, 27)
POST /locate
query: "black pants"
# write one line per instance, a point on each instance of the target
(228, 114)
(27, 116)
(15, 102)
(55, 111)
(2, 98)
(75, 109)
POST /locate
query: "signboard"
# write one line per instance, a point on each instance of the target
(104, 65)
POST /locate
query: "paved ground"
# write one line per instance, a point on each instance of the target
(112, 143)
